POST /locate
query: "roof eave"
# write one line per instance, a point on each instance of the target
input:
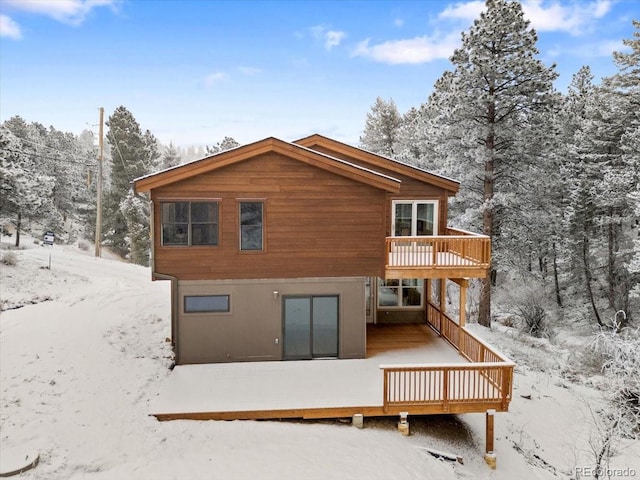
(394, 165)
(229, 157)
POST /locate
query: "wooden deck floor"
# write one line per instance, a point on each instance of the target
(301, 389)
(396, 338)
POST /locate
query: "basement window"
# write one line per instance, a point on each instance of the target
(206, 304)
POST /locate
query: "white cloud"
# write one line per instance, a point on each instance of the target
(330, 38)
(574, 18)
(72, 12)
(9, 28)
(602, 7)
(215, 77)
(467, 11)
(398, 22)
(545, 15)
(410, 51)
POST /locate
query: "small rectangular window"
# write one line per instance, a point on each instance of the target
(251, 226)
(206, 303)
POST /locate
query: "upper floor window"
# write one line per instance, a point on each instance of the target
(251, 226)
(190, 223)
(412, 218)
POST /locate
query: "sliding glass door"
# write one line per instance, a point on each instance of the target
(310, 327)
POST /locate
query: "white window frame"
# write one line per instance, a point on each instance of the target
(382, 284)
(414, 215)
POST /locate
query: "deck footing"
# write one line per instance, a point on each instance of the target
(358, 420)
(403, 424)
(490, 459)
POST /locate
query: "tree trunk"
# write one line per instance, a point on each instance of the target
(555, 275)
(18, 225)
(611, 262)
(484, 308)
(587, 276)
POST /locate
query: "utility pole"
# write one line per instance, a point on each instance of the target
(99, 188)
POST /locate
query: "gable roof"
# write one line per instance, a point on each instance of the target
(379, 161)
(268, 145)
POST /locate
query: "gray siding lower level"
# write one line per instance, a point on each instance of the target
(252, 329)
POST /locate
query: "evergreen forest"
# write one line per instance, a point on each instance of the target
(553, 177)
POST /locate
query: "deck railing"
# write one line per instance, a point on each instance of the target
(486, 381)
(456, 249)
(445, 385)
(443, 324)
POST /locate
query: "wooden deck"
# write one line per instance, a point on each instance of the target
(457, 254)
(383, 339)
(409, 368)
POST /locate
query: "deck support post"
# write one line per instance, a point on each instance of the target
(490, 455)
(403, 424)
(427, 295)
(358, 420)
(463, 305)
(443, 295)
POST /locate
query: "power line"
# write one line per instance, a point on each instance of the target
(115, 142)
(21, 139)
(38, 155)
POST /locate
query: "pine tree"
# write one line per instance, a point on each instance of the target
(382, 128)
(602, 176)
(25, 189)
(408, 144)
(227, 143)
(630, 145)
(613, 121)
(136, 214)
(485, 107)
(572, 226)
(133, 154)
(86, 198)
(170, 157)
(68, 167)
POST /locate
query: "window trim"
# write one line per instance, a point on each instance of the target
(263, 201)
(414, 208)
(190, 201)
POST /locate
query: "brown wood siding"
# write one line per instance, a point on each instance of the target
(316, 224)
(410, 188)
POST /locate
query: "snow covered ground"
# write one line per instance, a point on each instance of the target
(83, 354)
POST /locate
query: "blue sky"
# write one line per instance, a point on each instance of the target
(193, 72)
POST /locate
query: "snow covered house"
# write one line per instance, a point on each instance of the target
(296, 250)
(283, 250)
